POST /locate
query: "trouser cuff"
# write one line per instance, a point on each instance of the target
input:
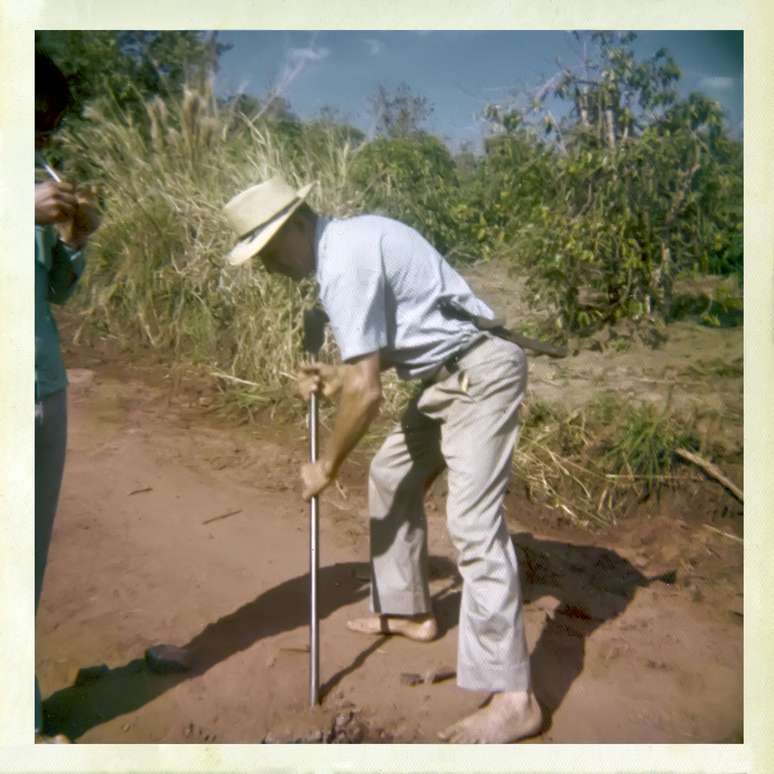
(483, 677)
(400, 603)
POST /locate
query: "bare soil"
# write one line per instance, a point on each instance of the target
(178, 526)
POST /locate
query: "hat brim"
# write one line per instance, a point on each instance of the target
(249, 247)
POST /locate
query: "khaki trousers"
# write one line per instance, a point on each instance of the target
(468, 423)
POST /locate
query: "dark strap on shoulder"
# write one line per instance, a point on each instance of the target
(525, 342)
(497, 328)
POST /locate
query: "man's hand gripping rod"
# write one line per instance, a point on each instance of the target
(314, 335)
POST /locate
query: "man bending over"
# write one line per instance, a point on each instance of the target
(385, 289)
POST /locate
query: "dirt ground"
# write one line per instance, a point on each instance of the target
(176, 526)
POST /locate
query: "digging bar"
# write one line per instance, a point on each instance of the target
(314, 333)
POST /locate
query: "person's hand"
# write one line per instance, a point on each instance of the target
(314, 377)
(84, 221)
(315, 476)
(54, 202)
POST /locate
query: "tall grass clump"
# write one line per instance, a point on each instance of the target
(644, 445)
(157, 272)
(590, 462)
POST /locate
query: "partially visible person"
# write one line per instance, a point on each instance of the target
(64, 220)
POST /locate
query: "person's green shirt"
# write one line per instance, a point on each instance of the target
(57, 270)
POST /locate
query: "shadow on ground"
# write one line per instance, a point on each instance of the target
(80, 707)
(592, 585)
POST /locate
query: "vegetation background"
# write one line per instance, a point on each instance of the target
(599, 214)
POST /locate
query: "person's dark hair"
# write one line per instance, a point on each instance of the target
(52, 94)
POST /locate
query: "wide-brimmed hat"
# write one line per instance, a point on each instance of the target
(259, 212)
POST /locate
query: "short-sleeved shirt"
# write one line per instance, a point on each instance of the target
(57, 269)
(381, 284)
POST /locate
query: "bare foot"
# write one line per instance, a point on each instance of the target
(421, 628)
(510, 715)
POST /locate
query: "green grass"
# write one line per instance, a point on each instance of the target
(644, 444)
(587, 462)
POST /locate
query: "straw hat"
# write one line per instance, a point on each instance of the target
(259, 212)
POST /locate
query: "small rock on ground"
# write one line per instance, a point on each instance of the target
(166, 659)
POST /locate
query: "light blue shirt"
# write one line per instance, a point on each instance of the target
(381, 283)
(57, 269)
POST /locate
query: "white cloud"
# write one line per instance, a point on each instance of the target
(310, 54)
(717, 82)
(374, 45)
(296, 59)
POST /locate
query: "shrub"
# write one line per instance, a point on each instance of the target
(621, 224)
(413, 179)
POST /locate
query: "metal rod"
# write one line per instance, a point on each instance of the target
(314, 563)
(314, 337)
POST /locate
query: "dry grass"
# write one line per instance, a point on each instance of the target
(587, 463)
(157, 264)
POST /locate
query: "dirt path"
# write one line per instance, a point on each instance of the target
(140, 557)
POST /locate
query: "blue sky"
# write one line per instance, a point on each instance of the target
(459, 72)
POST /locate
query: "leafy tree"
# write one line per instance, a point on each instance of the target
(331, 119)
(613, 96)
(322, 136)
(275, 112)
(513, 178)
(640, 185)
(244, 104)
(400, 114)
(414, 180)
(466, 162)
(706, 206)
(277, 108)
(285, 126)
(130, 66)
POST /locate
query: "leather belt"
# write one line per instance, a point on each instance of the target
(451, 364)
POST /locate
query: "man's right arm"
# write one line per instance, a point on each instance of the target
(359, 401)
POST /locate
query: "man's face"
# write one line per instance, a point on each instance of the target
(290, 250)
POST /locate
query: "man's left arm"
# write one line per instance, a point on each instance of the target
(359, 401)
